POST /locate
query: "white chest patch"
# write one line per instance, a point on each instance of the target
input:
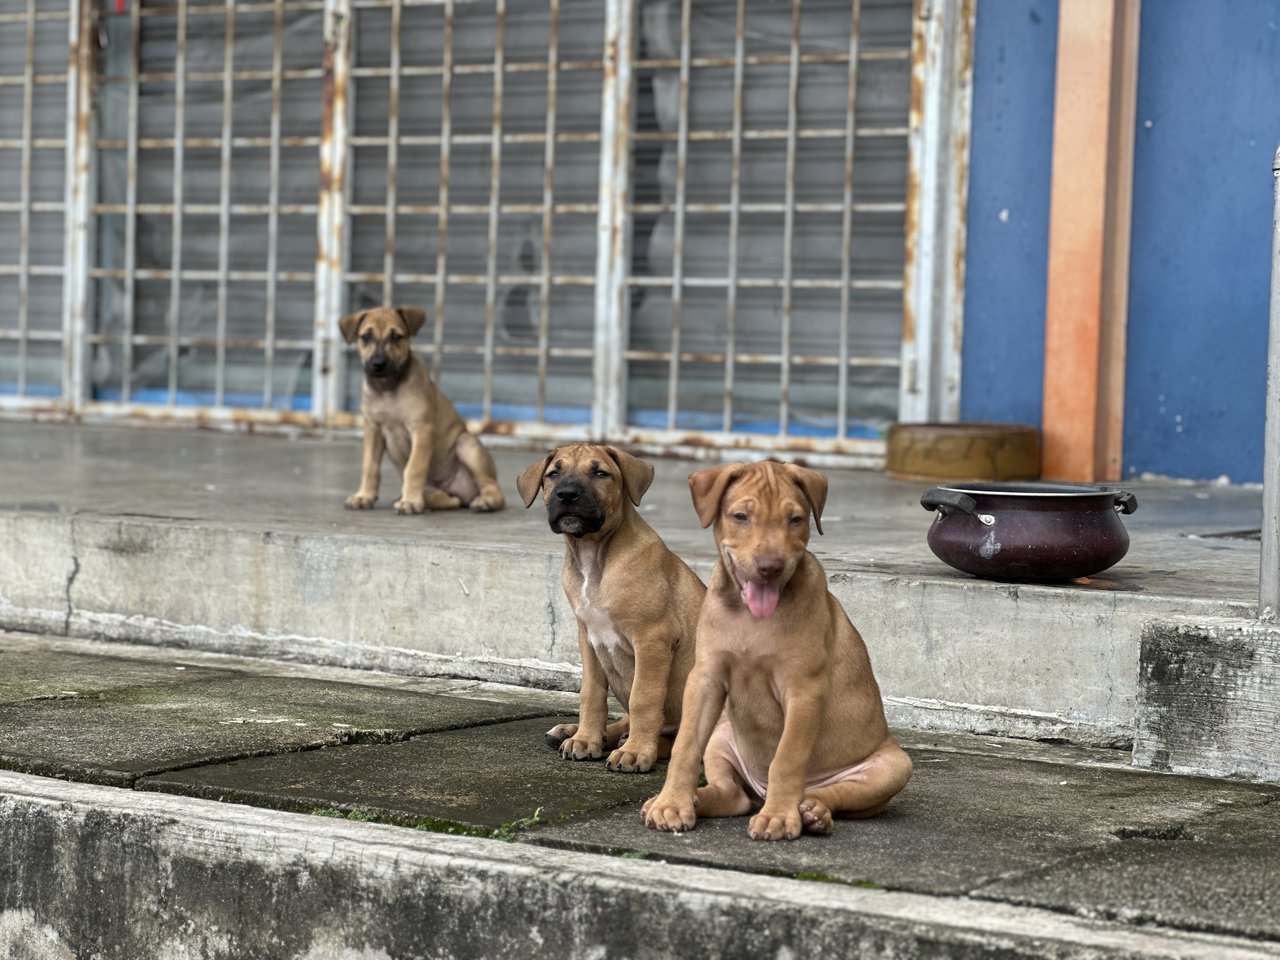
(613, 651)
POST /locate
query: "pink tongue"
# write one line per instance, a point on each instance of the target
(761, 599)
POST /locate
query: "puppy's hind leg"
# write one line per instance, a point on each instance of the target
(725, 794)
(437, 499)
(478, 460)
(864, 793)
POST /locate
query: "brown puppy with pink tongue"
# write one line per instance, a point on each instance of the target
(803, 728)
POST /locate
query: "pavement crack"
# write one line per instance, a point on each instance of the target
(71, 579)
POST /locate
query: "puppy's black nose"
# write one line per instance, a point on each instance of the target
(568, 493)
(378, 364)
(769, 567)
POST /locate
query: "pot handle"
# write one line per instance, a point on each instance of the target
(947, 501)
(1126, 502)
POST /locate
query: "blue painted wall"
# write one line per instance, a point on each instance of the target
(1208, 125)
(1015, 46)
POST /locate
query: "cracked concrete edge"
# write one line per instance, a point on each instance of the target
(89, 864)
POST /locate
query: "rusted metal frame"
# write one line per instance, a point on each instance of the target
(202, 143)
(810, 133)
(328, 382)
(393, 158)
(273, 204)
(24, 198)
(194, 209)
(224, 204)
(817, 451)
(233, 343)
(677, 258)
(548, 209)
(214, 9)
(471, 139)
(846, 223)
(495, 193)
(442, 215)
(735, 216)
(35, 206)
(479, 69)
(613, 223)
(789, 224)
(215, 76)
(765, 207)
(78, 199)
(129, 284)
(937, 193)
(41, 16)
(468, 209)
(28, 73)
(179, 165)
(258, 276)
(1269, 567)
(797, 360)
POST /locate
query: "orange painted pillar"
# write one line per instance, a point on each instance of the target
(1087, 289)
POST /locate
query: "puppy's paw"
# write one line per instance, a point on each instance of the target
(358, 501)
(769, 825)
(632, 759)
(582, 748)
(407, 505)
(487, 503)
(669, 814)
(560, 733)
(815, 816)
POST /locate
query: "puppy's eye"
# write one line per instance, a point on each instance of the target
(741, 517)
(601, 474)
(553, 474)
(796, 520)
(366, 337)
(395, 338)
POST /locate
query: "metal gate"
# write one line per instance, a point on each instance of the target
(712, 225)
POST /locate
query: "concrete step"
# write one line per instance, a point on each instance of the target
(241, 545)
(288, 811)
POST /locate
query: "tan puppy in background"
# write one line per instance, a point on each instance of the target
(407, 417)
(804, 728)
(636, 604)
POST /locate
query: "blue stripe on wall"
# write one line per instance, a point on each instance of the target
(1208, 124)
(1015, 46)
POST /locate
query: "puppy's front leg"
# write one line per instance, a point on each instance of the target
(413, 490)
(674, 808)
(587, 742)
(370, 469)
(779, 818)
(648, 698)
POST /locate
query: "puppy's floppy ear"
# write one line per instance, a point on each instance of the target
(530, 482)
(814, 487)
(637, 474)
(350, 325)
(708, 486)
(413, 317)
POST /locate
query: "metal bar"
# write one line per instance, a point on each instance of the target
(259, 276)
(677, 259)
(328, 382)
(224, 205)
(1269, 576)
(548, 210)
(129, 305)
(197, 143)
(24, 198)
(79, 200)
(442, 217)
(206, 209)
(788, 224)
(179, 164)
(846, 224)
(735, 198)
(393, 156)
(495, 191)
(613, 225)
(273, 205)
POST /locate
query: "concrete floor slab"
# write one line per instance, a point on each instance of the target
(240, 544)
(1213, 873)
(117, 735)
(964, 823)
(478, 779)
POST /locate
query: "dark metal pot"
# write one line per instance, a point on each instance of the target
(1029, 531)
